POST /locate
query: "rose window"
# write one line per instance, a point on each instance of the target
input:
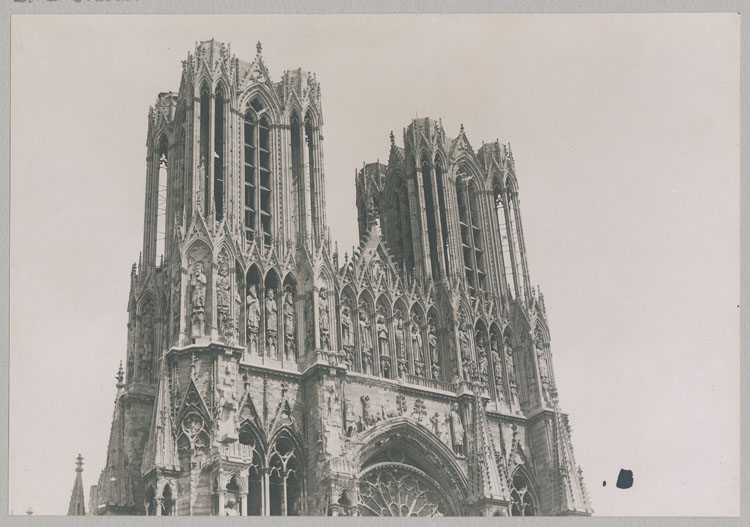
(393, 489)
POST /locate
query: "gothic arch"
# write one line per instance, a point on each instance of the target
(541, 330)
(421, 450)
(286, 467)
(523, 498)
(311, 115)
(222, 85)
(260, 92)
(203, 84)
(193, 248)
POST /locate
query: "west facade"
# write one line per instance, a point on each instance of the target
(265, 374)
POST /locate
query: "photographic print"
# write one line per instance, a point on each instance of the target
(374, 265)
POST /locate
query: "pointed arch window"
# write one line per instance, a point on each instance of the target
(205, 158)
(161, 201)
(472, 242)
(218, 155)
(514, 234)
(443, 212)
(429, 207)
(298, 172)
(310, 139)
(285, 479)
(257, 167)
(522, 501)
(505, 236)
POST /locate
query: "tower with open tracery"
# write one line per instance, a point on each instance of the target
(265, 374)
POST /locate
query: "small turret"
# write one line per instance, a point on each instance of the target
(76, 507)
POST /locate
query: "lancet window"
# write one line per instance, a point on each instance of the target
(429, 207)
(522, 502)
(443, 210)
(161, 200)
(472, 243)
(285, 479)
(505, 237)
(257, 167)
(298, 173)
(205, 148)
(218, 155)
(400, 226)
(310, 139)
(515, 236)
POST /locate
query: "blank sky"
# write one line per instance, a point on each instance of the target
(625, 132)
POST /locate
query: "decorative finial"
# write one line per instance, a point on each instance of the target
(462, 128)
(120, 376)
(79, 463)
(393, 139)
(259, 47)
(193, 370)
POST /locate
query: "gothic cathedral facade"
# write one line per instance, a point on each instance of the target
(265, 375)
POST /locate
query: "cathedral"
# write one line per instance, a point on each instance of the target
(268, 375)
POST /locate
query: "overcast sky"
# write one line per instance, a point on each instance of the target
(625, 132)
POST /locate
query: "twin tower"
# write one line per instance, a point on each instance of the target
(267, 375)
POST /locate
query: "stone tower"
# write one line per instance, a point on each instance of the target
(266, 377)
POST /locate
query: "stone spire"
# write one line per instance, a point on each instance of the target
(161, 448)
(76, 507)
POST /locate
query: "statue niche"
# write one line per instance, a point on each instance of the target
(224, 299)
(365, 339)
(146, 340)
(197, 280)
(398, 333)
(383, 346)
(324, 319)
(271, 323)
(347, 333)
(290, 343)
(432, 346)
(253, 318)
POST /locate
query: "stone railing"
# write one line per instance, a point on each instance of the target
(430, 383)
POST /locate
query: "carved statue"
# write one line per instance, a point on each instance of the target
(382, 331)
(271, 323)
(223, 294)
(543, 369)
(457, 430)
(347, 338)
(309, 327)
(435, 422)
(398, 333)
(365, 338)
(497, 369)
(482, 352)
(463, 337)
(147, 346)
(198, 282)
(176, 290)
(432, 341)
(289, 343)
(324, 319)
(237, 318)
(368, 417)
(510, 368)
(253, 318)
(351, 419)
(230, 507)
(416, 341)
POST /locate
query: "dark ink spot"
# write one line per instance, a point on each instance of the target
(604, 483)
(625, 479)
